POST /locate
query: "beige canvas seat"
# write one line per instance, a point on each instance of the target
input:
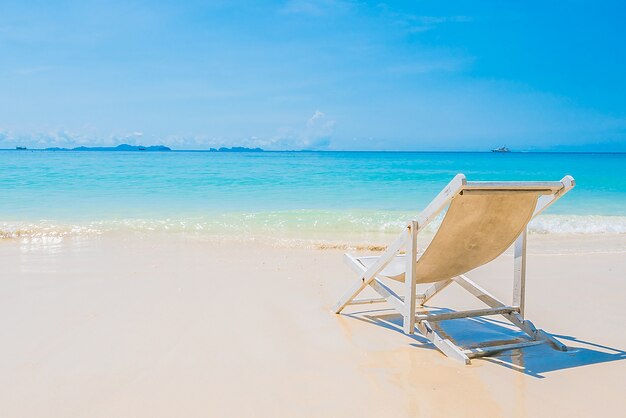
(483, 219)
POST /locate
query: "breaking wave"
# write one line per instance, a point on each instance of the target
(299, 223)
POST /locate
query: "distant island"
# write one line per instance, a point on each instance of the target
(127, 147)
(122, 147)
(235, 149)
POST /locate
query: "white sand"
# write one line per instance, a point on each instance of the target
(162, 326)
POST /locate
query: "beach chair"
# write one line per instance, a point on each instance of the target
(483, 219)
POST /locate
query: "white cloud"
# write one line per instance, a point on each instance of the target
(315, 118)
(319, 125)
(316, 133)
(416, 23)
(314, 7)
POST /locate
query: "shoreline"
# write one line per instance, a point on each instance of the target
(349, 225)
(539, 244)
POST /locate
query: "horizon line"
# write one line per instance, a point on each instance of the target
(253, 151)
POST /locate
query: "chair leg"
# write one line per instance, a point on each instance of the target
(355, 289)
(532, 331)
(410, 280)
(433, 290)
(444, 345)
(519, 273)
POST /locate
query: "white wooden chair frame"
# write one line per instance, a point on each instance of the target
(407, 306)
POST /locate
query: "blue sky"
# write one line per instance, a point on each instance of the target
(315, 74)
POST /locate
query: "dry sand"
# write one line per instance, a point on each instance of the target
(167, 326)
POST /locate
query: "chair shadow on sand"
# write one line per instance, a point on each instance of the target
(534, 361)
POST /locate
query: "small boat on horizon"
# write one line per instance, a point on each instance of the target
(21, 148)
(501, 149)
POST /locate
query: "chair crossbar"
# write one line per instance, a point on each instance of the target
(487, 351)
(367, 301)
(466, 314)
(551, 186)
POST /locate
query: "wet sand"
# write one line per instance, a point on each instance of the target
(162, 325)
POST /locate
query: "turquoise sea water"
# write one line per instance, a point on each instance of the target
(45, 192)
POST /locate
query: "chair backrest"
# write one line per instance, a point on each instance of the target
(481, 222)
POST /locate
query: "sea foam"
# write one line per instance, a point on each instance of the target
(301, 223)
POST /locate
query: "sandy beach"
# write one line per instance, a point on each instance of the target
(162, 325)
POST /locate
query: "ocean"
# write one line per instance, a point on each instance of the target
(297, 194)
